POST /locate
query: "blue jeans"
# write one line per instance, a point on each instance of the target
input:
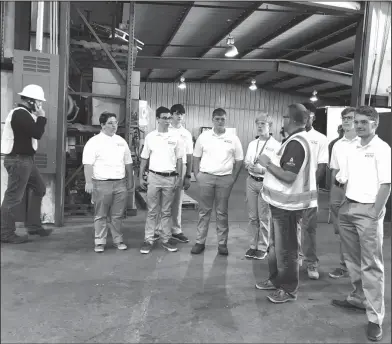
(22, 174)
(284, 249)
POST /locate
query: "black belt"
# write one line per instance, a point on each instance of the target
(165, 174)
(112, 180)
(340, 185)
(257, 179)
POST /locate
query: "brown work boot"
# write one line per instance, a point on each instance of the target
(15, 239)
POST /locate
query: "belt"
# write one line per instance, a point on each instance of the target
(165, 174)
(112, 180)
(257, 179)
(340, 185)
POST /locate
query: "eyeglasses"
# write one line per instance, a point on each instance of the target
(166, 118)
(364, 122)
(347, 118)
(219, 119)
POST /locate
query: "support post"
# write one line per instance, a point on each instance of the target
(128, 102)
(65, 15)
(361, 54)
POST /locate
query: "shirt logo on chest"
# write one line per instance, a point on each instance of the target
(314, 142)
(171, 142)
(228, 141)
(369, 155)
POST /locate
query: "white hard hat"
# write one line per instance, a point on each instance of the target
(33, 92)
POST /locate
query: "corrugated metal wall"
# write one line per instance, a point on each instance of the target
(200, 99)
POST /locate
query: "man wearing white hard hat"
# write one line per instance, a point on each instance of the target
(24, 126)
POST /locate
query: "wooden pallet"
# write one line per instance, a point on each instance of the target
(78, 209)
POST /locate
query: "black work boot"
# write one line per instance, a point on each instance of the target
(374, 332)
(198, 248)
(15, 239)
(222, 250)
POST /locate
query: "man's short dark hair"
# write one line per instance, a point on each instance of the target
(310, 107)
(218, 112)
(105, 116)
(298, 114)
(347, 110)
(368, 111)
(160, 111)
(177, 108)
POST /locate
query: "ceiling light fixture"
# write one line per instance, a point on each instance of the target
(253, 86)
(314, 98)
(182, 84)
(231, 50)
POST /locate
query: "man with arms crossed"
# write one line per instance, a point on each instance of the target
(258, 209)
(289, 188)
(361, 218)
(164, 151)
(337, 165)
(217, 161)
(108, 172)
(319, 150)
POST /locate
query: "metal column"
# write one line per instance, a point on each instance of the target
(361, 55)
(64, 33)
(128, 102)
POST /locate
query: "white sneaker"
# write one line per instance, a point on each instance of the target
(313, 273)
(99, 248)
(121, 246)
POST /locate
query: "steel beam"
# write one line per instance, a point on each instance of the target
(315, 6)
(361, 57)
(64, 39)
(101, 43)
(148, 62)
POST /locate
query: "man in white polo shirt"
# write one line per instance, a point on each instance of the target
(258, 209)
(178, 112)
(164, 152)
(361, 217)
(319, 151)
(340, 150)
(217, 161)
(108, 172)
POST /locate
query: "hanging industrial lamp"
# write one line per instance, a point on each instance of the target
(231, 50)
(253, 86)
(314, 98)
(182, 84)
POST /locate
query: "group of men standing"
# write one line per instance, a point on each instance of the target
(281, 190)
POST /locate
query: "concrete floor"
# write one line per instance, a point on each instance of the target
(56, 289)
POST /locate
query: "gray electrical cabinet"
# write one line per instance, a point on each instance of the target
(43, 70)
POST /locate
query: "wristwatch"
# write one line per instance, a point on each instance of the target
(188, 176)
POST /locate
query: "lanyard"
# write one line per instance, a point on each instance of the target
(262, 148)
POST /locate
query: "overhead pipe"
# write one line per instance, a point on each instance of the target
(40, 26)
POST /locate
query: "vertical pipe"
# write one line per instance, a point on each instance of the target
(8, 28)
(361, 54)
(65, 15)
(40, 26)
(50, 27)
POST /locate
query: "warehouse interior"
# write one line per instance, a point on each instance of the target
(56, 289)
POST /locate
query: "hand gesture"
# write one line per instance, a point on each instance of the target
(263, 160)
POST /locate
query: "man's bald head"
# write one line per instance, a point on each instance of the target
(298, 114)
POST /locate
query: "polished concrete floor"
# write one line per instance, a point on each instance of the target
(57, 290)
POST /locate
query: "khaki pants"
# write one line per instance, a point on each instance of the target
(110, 201)
(160, 195)
(259, 215)
(336, 199)
(213, 189)
(176, 209)
(362, 239)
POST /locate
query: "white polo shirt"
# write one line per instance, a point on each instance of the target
(367, 168)
(340, 152)
(163, 150)
(318, 146)
(186, 139)
(254, 149)
(218, 152)
(108, 155)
